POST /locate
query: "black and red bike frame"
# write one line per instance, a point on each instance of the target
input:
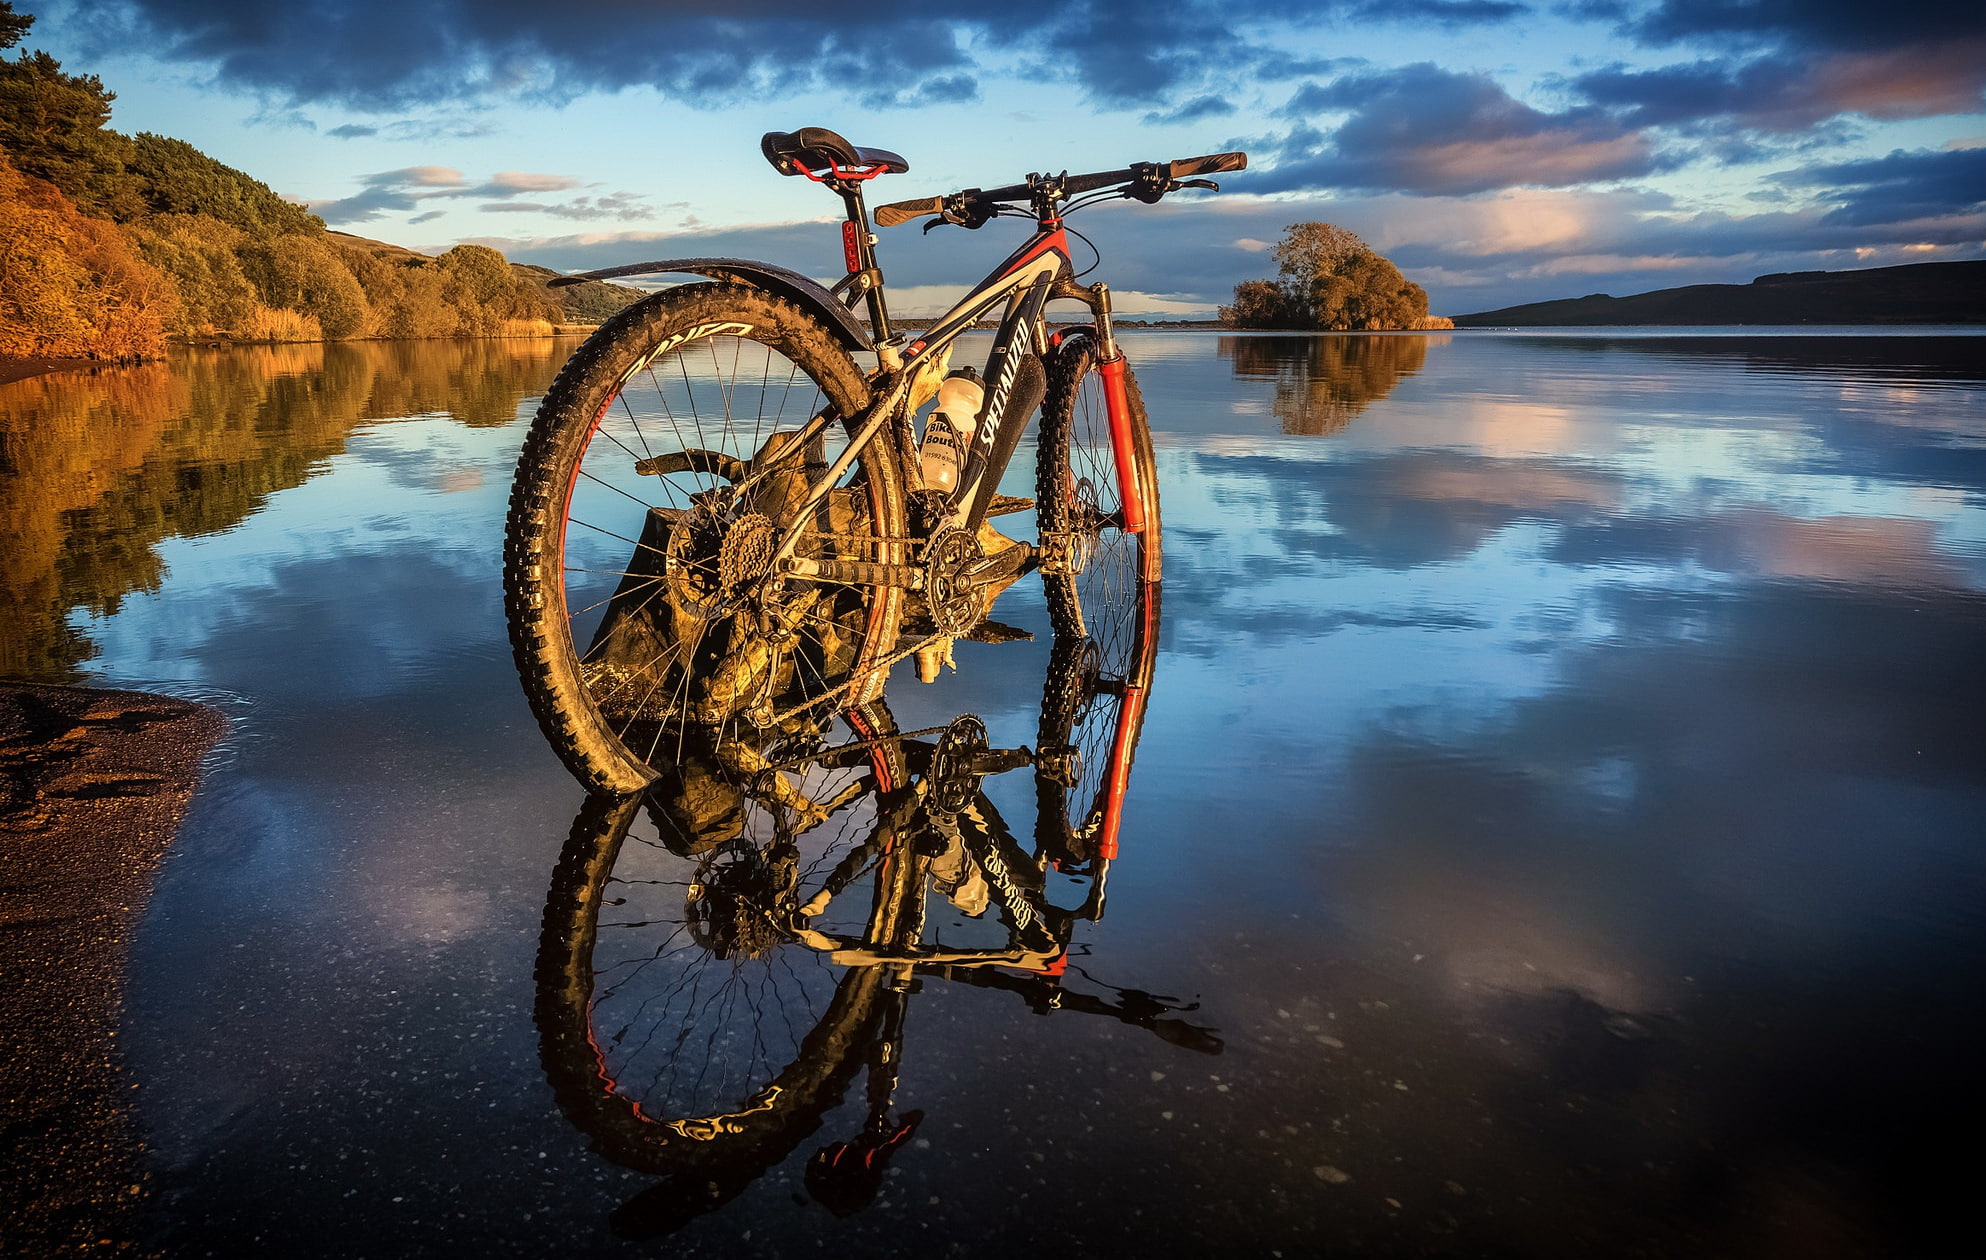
(1038, 272)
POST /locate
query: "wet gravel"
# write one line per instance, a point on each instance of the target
(92, 788)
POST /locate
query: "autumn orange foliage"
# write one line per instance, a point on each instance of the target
(72, 285)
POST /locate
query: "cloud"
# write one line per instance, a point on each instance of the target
(384, 193)
(1423, 129)
(616, 207)
(402, 190)
(352, 131)
(1449, 13)
(419, 177)
(1195, 110)
(510, 183)
(1812, 24)
(1901, 188)
(381, 55)
(1783, 65)
(1471, 253)
(1780, 94)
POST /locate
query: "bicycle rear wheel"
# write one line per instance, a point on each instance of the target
(1094, 564)
(663, 469)
(691, 1017)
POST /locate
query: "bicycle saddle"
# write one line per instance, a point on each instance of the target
(817, 149)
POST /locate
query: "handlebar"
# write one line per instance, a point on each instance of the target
(973, 206)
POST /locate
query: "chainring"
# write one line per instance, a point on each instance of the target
(952, 601)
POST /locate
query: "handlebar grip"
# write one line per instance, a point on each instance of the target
(1209, 164)
(904, 211)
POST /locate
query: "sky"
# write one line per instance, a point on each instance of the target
(1498, 151)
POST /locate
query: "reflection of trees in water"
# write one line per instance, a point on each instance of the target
(96, 470)
(1322, 382)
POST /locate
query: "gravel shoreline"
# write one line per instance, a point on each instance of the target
(93, 786)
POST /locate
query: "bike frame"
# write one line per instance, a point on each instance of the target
(1034, 274)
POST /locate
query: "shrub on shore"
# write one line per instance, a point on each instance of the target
(279, 324)
(72, 286)
(527, 328)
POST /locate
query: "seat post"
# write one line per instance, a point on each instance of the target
(865, 256)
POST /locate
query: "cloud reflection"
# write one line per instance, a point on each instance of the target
(98, 470)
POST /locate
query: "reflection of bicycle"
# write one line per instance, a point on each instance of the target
(721, 525)
(726, 952)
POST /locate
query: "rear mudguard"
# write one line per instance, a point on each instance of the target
(791, 285)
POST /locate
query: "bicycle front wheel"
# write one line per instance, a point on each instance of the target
(1094, 563)
(668, 462)
(1092, 710)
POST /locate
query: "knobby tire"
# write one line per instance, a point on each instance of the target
(635, 598)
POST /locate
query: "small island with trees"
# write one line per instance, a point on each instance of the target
(1330, 280)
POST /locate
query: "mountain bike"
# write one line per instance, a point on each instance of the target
(726, 952)
(720, 522)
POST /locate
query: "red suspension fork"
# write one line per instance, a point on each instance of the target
(1123, 446)
(1123, 740)
(1123, 441)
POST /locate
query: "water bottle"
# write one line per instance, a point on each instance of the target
(948, 433)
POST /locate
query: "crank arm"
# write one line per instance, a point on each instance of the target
(1010, 562)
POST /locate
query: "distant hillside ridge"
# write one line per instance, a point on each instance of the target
(1917, 293)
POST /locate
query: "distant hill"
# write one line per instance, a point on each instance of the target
(1921, 293)
(589, 303)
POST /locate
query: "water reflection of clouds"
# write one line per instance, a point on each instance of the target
(1456, 557)
(1413, 508)
(436, 458)
(1809, 762)
(106, 473)
(360, 507)
(1598, 763)
(1739, 840)
(1756, 542)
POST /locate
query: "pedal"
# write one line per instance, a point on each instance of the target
(1006, 504)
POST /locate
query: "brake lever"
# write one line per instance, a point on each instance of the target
(1208, 184)
(961, 210)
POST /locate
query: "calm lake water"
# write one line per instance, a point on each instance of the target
(1559, 827)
